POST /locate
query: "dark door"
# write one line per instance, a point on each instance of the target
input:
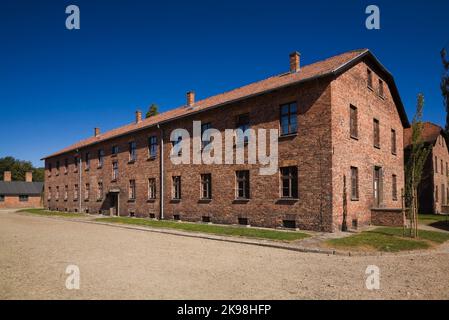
(113, 204)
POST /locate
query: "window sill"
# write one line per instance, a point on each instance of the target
(354, 137)
(382, 97)
(370, 88)
(114, 155)
(394, 153)
(100, 167)
(175, 200)
(99, 199)
(288, 135)
(114, 180)
(376, 147)
(240, 201)
(86, 200)
(74, 200)
(151, 200)
(87, 169)
(355, 199)
(287, 200)
(131, 161)
(131, 200)
(151, 158)
(204, 200)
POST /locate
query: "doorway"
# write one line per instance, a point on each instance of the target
(113, 204)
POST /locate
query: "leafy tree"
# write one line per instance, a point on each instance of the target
(414, 168)
(445, 85)
(18, 169)
(152, 111)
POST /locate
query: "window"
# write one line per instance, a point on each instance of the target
(442, 170)
(206, 186)
(242, 123)
(49, 169)
(205, 138)
(354, 183)
(87, 160)
(100, 190)
(436, 193)
(57, 168)
(447, 170)
(87, 192)
(57, 193)
(289, 179)
(114, 150)
(75, 192)
(369, 78)
(77, 163)
(175, 143)
(436, 164)
(49, 194)
(151, 188)
(132, 190)
(242, 184)
(23, 198)
(2, 198)
(353, 124)
(289, 120)
(132, 151)
(66, 166)
(381, 88)
(443, 198)
(176, 188)
(100, 158)
(152, 147)
(394, 187)
(114, 170)
(447, 196)
(376, 133)
(393, 141)
(66, 192)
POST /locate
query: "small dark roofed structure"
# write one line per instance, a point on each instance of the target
(20, 194)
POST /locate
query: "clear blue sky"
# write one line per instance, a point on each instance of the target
(56, 85)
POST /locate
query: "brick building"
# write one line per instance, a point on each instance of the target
(340, 117)
(434, 188)
(20, 194)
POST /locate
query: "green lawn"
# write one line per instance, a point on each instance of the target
(389, 240)
(432, 218)
(44, 212)
(211, 229)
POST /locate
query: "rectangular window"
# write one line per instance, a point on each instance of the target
(66, 166)
(75, 192)
(23, 198)
(289, 182)
(49, 169)
(436, 193)
(176, 143)
(152, 188)
(57, 168)
(354, 183)
(289, 119)
(436, 164)
(132, 151)
(442, 170)
(369, 78)
(242, 184)
(394, 187)
(114, 170)
(353, 122)
(87, 191)
(205, 138)
(66, 192)
(100, 190)
(242, 123)
(393, 141)
(443, 198)
(447, 170)
(152, 147)
(206, 186)
(57, 193)
(114, 150)
(447, 195)
(100, 158)
(176, 188)
(87, 160)
(381, 88)
(376, 133)
(2, 198)
(49, 194)
(132, 190)
(77, 163)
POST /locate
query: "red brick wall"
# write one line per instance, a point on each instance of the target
(387, 217)
(14, 202)
(439, 177)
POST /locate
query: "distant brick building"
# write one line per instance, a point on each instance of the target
(20, 194)
(434, 188)
(340, 117)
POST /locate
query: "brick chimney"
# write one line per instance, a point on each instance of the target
(138, 116)
(28, 176)
(295, 61)
(190, 98)
(7, 176)
(96, 132)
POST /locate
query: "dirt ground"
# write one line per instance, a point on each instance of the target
(117, 263)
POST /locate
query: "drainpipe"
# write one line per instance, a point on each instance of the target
(161, 173)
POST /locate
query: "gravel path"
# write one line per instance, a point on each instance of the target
(118, 263)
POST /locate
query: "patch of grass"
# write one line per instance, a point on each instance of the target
(211, 229)
(432, 218)
(43, 212)
(389, 240)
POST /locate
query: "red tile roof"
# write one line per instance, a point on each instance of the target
(430, 133)
(308, 72)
